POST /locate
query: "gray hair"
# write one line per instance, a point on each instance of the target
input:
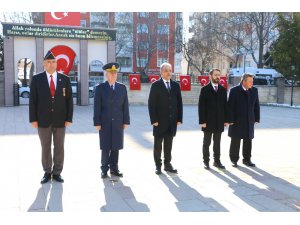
(164, 65)
(246, 75)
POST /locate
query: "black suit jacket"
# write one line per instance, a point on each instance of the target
(165, 108)
(212, 108)
(243, 112)
(41, 107)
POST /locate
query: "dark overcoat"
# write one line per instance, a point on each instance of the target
(47, 110)
(212, 108)
(243, 112)
(165, 108)
(111, 112)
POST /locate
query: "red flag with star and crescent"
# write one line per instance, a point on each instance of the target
(203, 80)
(223, 82)
(185, 82)
(153, 78)
(134, 82)
(62, 18)
(65, 58)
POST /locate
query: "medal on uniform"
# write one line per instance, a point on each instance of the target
(64, 91)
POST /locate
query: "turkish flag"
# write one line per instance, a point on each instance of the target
(223, 82)
(203, 80)
(134, 82)
(153, 78)
(62, 18)
(185, 82)
(65, 58)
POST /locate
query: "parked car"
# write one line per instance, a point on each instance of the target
(91, 88)
(24, 92)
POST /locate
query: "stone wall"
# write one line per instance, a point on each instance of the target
(267, 94)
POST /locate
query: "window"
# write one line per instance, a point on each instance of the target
(161, 61)
(141, 62)
(99, 19)
(162, 46)
(142, 29)
(163, 15)
(163, 29)
(124, 61)
(143, 14)
(83, 23)
(142, 45)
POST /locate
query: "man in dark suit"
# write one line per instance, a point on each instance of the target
(212, 111)
(111, 117)
(243, 112)
(165, 110)
(51, 111)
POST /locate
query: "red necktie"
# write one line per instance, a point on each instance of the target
(216, 88)
(52, 86)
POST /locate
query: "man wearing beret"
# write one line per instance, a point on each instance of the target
(51, 111)
(111, 117)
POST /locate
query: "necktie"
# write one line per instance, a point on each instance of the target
(168, 86)
(112, 87)
(216, 88)
(52, 86)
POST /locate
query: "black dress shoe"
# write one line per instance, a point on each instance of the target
(116, 173)
(234, 164)
(170, 169)
(46, 178)
(206, 166)
(104, 175)
(158, 171)
(58, 178)
(219, 165)
(248, 163)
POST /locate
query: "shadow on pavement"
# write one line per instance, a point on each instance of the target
(120, 198)
(54, 204)
(188, 199)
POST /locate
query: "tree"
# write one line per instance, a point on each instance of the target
(285, 50)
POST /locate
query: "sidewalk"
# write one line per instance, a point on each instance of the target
(272, 186)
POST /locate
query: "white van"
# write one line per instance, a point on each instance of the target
(262, 73)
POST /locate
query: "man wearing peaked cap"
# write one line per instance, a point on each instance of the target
(111, 117)
(51, 111)
(111, 67)
(49, 55)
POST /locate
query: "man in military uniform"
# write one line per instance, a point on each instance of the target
(51, 111)
(111, 117)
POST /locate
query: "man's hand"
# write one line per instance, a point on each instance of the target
(155, 124)
(125, 126)
(203, 125)
(226, 124)
(178, 123)
(34, 124)
(98, 128)
(67, 124)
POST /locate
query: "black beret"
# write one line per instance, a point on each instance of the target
(111, 66)
(49, 55)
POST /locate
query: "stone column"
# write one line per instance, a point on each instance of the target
(280, 90)
(111, 51)
(9, 70)
(39, 43)
(84, 72)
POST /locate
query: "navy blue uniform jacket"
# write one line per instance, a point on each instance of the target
(243, 112)
(111, 111)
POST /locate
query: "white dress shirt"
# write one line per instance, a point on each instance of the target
(54, 77)
(165, 81)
